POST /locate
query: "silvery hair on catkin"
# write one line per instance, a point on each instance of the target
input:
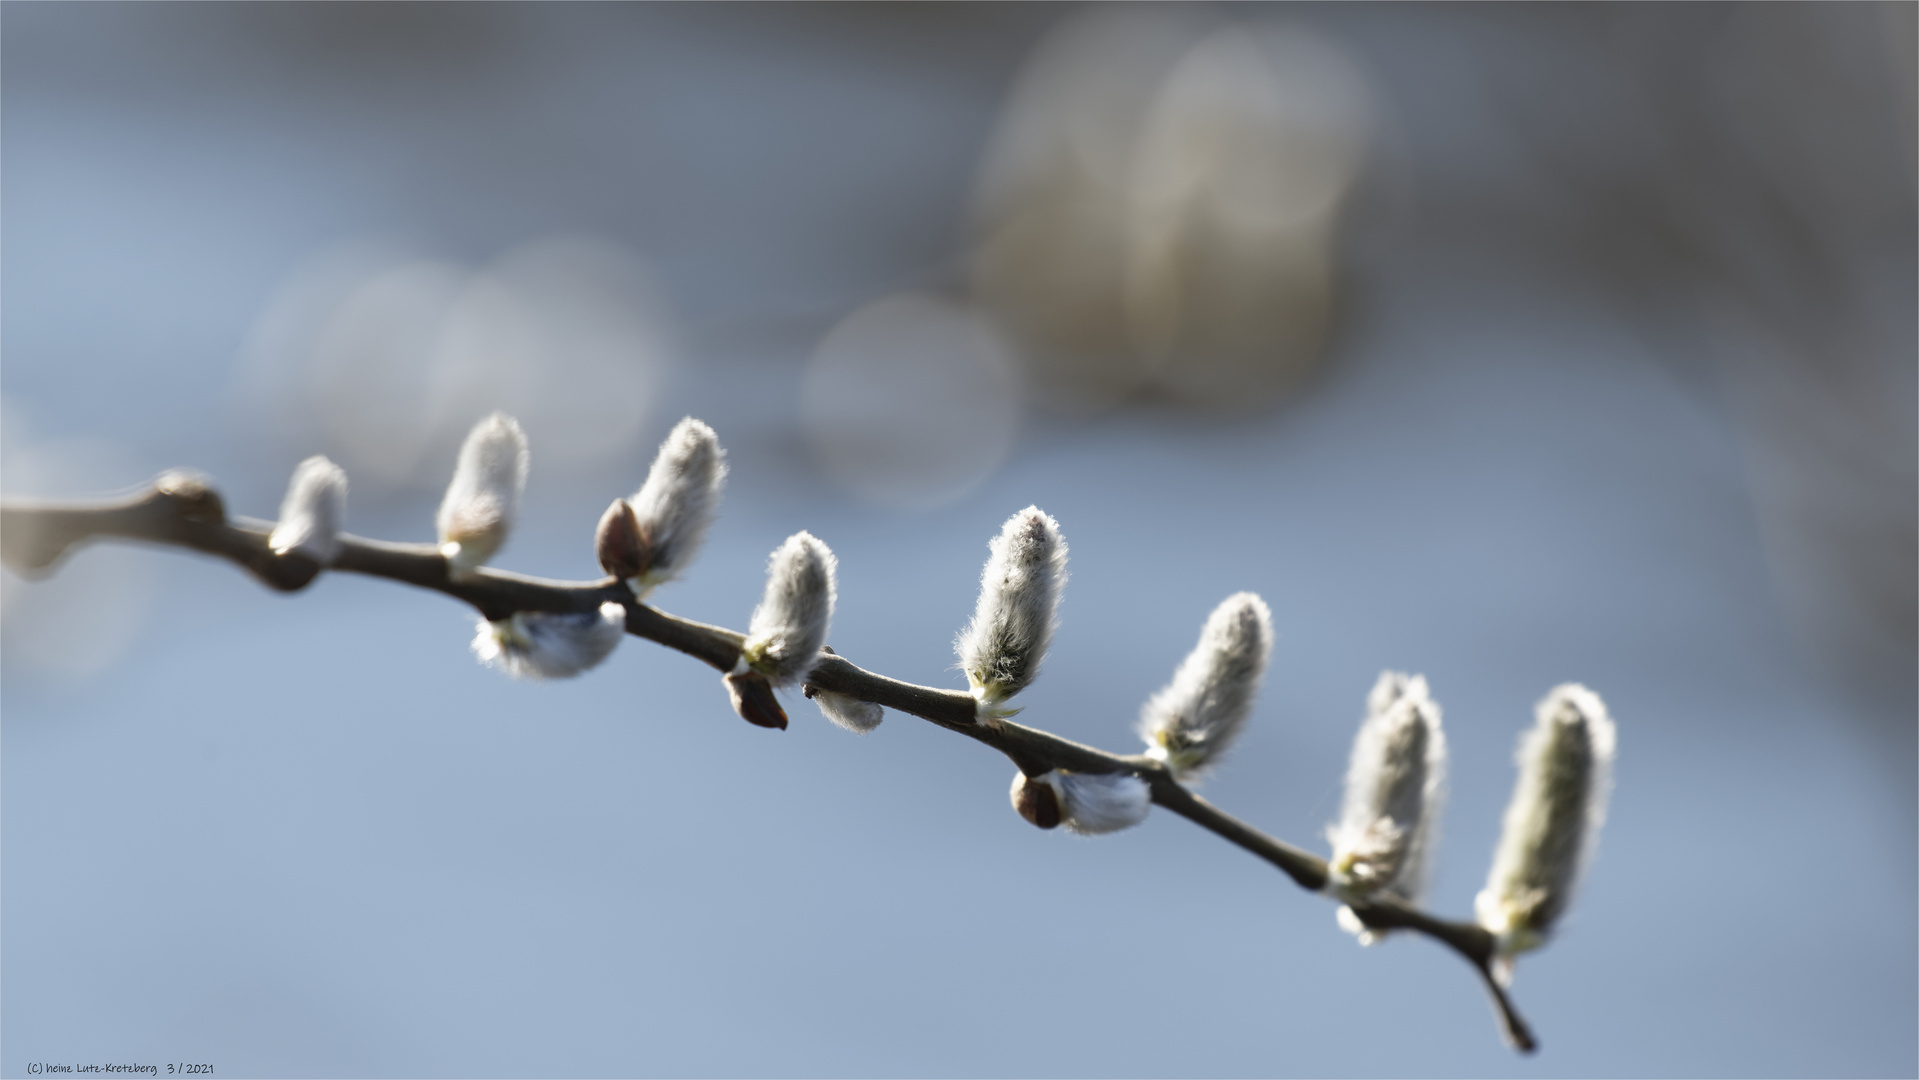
(1097, 803)
(856, 716)
(793, 619)
(484, 496)
(1002, 648)
(1395, 787)
(550, 644)
(313, 511)
(1191, 722)
(1090, 804)
(679, 500)
(1552, 824)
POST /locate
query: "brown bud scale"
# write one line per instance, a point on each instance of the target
(1036, 801)
(753, 699)
(618, 542)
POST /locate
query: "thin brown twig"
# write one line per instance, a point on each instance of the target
(182, 509)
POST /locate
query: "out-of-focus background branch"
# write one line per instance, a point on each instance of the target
(1509, 344)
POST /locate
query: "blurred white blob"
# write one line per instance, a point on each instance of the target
(568, 334)
(381, 359)
(85, 616)
(312, 511)
(1267, 126)
(911, 401)
(1159, 208)
(1241, 169)
(483, 499)
(1053, 199)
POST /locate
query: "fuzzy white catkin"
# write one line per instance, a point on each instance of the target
(1001, 649)
(1191, 722)
(312, 512)
(787, 630)
(484, 496)
(856, 716)
(1095, 803)
(678, 502)
(1395, 790)
(1552, 824)
(550, 645)
(1392, 686)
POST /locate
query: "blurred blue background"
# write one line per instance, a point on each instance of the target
(1511, 345)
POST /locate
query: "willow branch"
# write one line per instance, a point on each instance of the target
(181, 509)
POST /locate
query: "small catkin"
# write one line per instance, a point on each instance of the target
(1098, 803)
(1190, 723)
(678, 503)
(548, 644)
(312, 512)
(856, 716)
(1395, 789)
(1002, 648)
(484, 496)
(790, 625)
(1086, 803)
(1552, 824)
